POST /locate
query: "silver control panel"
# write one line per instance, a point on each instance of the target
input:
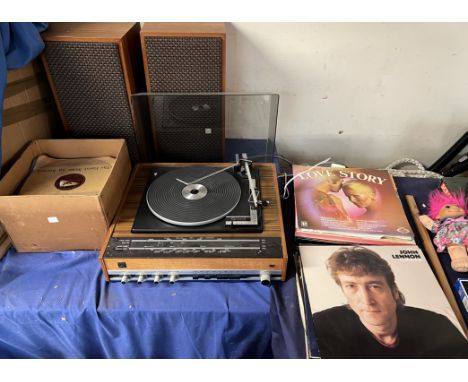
(171, 276)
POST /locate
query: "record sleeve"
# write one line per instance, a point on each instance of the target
(376, 302)
(349, 205)
(59, 176)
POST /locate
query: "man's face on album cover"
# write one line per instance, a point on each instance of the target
(370, 297)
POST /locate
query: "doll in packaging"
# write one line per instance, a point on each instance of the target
(448, 221)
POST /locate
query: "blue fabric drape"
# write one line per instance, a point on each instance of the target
(58, 305)
(19, 44)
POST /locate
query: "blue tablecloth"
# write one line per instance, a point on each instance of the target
(58, 305)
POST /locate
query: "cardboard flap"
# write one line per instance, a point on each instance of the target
(80, 148)
(19, 171)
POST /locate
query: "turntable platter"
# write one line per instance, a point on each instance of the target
(172, 198)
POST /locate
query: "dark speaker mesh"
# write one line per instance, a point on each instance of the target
(180, 146)
(188, 128)
(185, 64)
(91, 89)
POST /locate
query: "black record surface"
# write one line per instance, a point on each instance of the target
(166, 200)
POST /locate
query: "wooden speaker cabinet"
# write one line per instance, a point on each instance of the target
(186, 58)
(93, 69)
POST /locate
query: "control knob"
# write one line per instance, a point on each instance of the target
(172, 278)
(140, 279)
(124, 279)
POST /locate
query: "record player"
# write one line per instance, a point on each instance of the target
(198, 221)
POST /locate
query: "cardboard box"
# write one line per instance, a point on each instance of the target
(27, 115)
(28, 112)
(43, 223)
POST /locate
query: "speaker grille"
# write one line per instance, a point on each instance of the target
(90, 86)
(188, 128)
(185, 64)
(190, 147)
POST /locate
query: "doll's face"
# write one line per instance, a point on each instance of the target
(450, 211)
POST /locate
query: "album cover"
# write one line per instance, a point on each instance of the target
(65, 176)
(377, 302)
(349, 205)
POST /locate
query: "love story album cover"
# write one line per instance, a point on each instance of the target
(349, 205)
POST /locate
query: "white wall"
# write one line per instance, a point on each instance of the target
(364, 93)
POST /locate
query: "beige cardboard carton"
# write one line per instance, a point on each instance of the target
(42, 223)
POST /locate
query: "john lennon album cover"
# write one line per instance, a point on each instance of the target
(378, 302)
